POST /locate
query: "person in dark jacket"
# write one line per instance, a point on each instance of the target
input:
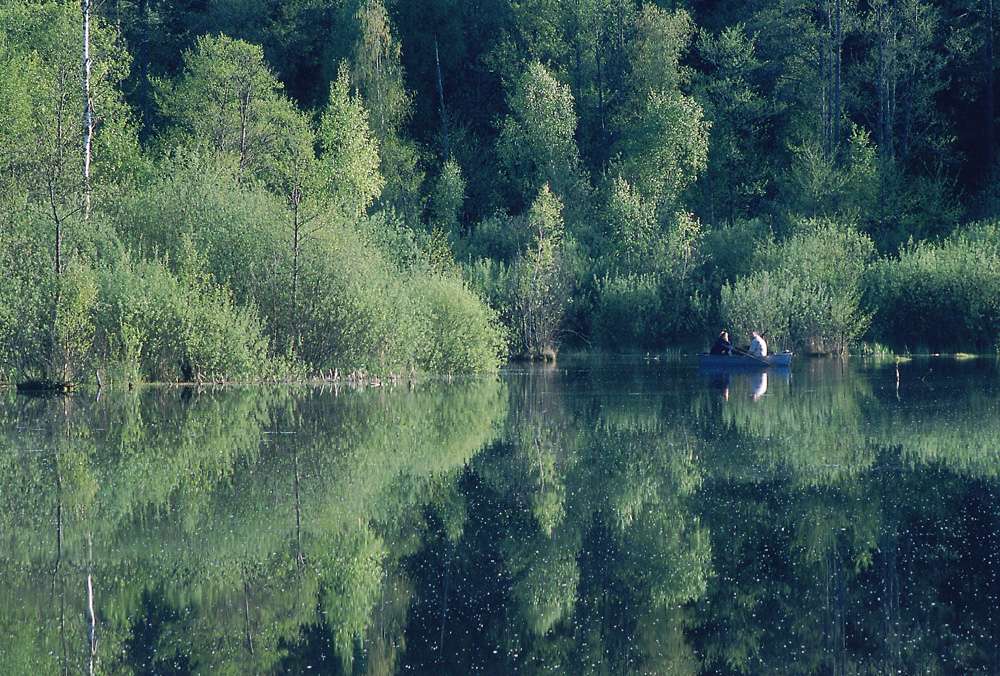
(722, 346)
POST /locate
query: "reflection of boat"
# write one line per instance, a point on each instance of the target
(744, 362)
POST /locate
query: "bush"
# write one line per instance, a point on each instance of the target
(629, 311)
(197, 217)
(760, 302)
(808, 292)
(354, 308)
(374, 303)
(150, 326)
(463, 335)
(27, 292)
(942, 297)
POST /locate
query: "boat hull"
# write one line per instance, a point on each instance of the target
(744, 362)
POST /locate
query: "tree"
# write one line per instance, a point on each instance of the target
(348, 172)
(736, 173)
(229, 101)
(663, 136)
(447, 197)
(540, 279)
(378, 73)
(903, 74)
(537, 141)
(598, 31)
(665, 147)
(58, 107)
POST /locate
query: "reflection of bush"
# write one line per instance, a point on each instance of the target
(828, 428)
(258, 514)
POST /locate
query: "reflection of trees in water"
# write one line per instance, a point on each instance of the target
(877, 574)
(561, 520)
(699, 533)
(234, 520)
(578, 528)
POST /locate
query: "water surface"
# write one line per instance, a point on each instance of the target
(604, 516)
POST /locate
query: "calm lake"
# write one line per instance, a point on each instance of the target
(604, 516)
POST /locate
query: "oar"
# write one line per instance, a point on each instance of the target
(752, 356)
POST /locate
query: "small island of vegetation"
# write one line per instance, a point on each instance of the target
(249, 191)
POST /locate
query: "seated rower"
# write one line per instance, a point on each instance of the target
(722, 346)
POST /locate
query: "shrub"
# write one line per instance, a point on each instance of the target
(629, 311)
(759, 302)
(355, 310)
(808, 292)
(197, 217)
(463, 335)
(944, 297)
(153, 327)
(365, 311)
(27, 291)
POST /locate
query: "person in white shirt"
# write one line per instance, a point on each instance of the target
(758, 347)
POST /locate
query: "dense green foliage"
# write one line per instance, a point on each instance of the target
(311, 171)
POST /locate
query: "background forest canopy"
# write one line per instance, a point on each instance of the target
(274, 188)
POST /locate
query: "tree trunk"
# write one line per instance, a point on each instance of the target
(444, 114)
(991, 140)
(296, 242)
(88, 107)
(838, 49)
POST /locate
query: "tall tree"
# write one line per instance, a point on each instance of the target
(736, 174)
(663, 136)
(905, 71)
(60, 106)
(229, 100)
(378, 72)
(537, 140)
(349, 177)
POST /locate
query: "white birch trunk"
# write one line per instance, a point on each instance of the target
(88, 120)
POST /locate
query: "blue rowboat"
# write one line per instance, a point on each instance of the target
(742, 361)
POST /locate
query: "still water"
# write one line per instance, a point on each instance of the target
(605, 516)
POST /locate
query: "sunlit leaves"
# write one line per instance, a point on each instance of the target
(349, 174)
(537, 140)
(230, 101)
(808, 292)
(666, 146)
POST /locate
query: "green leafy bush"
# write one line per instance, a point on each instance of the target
(807, 294)
(629, 311)
(941, 297)
(463, 335)
(198, 217)
(27, 292)
(151, 326)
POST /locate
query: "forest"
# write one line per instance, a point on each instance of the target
(262, 189)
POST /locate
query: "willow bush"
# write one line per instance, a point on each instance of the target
(151, 326)
(940, 297)
(27, 292)
(462, 334)
(629, 311)
(808, 291)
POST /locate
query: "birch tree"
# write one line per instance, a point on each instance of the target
(378, 74)
(537, 140)
(54, 155)
(229, 100)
